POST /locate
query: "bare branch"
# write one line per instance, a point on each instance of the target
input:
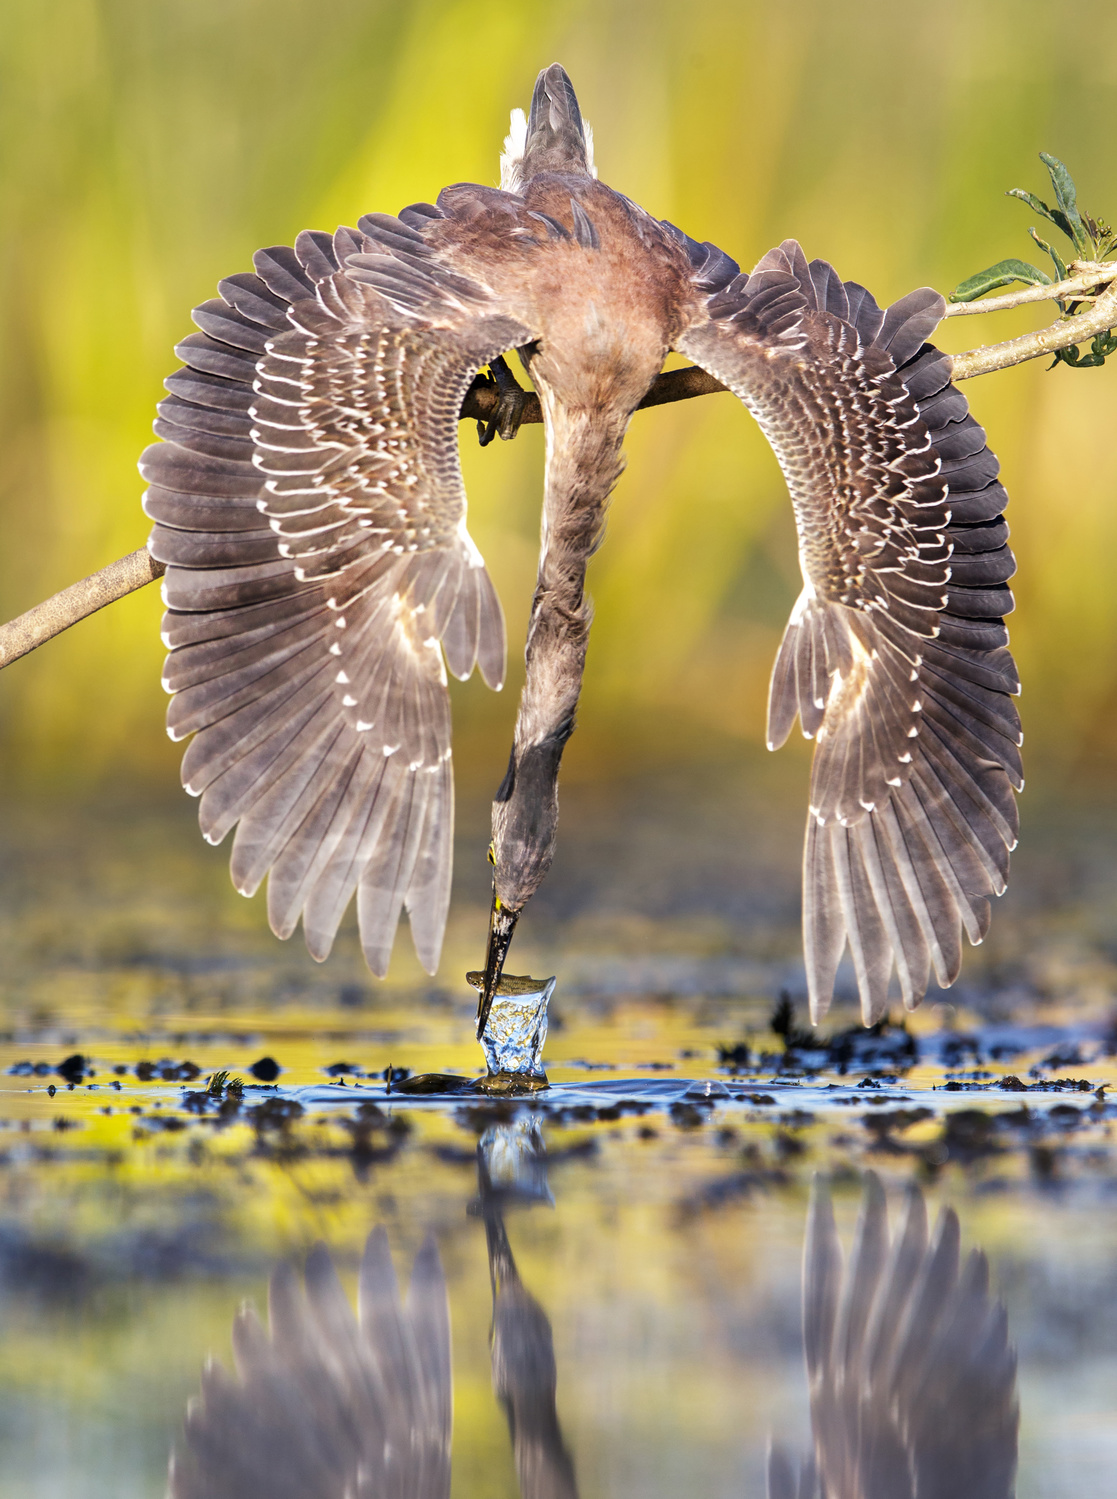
(119, 578)
(78, 601)
(1061, 335)
(482, 403)
(482, 399)
(1100, 273)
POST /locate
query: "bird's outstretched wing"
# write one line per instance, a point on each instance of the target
(325, 1405)
(309, 506)
(895, 658)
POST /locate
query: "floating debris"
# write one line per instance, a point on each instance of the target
(73, 1069)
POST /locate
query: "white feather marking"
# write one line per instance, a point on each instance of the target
(515, 144)
(469, 546)
(512, 157)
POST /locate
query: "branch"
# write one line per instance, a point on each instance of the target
(1098, 274)
(482, 403)
(1061, 335)
(482, 399)
(78, 601)
(118, 579)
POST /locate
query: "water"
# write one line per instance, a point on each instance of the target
(612, 1270)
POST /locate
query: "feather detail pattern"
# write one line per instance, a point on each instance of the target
(895, 658)
(308, 503)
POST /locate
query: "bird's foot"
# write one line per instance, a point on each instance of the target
(511, 399)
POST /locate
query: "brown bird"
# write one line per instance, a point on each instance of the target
(320, 578)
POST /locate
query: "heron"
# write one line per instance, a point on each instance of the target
(321, 580)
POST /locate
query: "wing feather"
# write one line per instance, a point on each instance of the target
(308, 504)
(895, 656)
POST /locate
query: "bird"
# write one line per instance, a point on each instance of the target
(309, 508)
(911, 1373)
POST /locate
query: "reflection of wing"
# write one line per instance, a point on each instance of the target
(895, 657)
(524, 1376)
(324, 1408)
(309, 505)
(912, 1377)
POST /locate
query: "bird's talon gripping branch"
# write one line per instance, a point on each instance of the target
(513, 398)
(511, 403)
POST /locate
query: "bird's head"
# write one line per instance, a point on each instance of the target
(552, 138)
(525, 817)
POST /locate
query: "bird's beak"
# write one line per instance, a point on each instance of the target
(502, 923)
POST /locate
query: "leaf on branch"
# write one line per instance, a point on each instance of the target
(1001, 274)
(1066, 196)
(1053, 214)
(1056, 258)
(1101, 346)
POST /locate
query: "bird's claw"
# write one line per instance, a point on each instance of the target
(511, 400)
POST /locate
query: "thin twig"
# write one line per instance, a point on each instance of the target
(1057, 291)
(78, 601)
(1061, 335)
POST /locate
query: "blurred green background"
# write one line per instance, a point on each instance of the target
(147, 147)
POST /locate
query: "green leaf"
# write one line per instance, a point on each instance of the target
(1056, 258)
(1052, 214)
(1102, 344)
(1001, 274)
(1066, 196)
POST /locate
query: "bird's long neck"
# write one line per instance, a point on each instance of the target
(584, 462)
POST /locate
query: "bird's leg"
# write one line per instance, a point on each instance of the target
(512, 398)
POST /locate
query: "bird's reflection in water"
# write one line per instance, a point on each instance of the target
(912, 1377)
(329, 1406)
(512, 1167)
(332, 1406)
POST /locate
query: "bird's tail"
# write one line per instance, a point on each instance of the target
(553, 137)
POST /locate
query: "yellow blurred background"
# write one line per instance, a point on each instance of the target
(149, 146)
